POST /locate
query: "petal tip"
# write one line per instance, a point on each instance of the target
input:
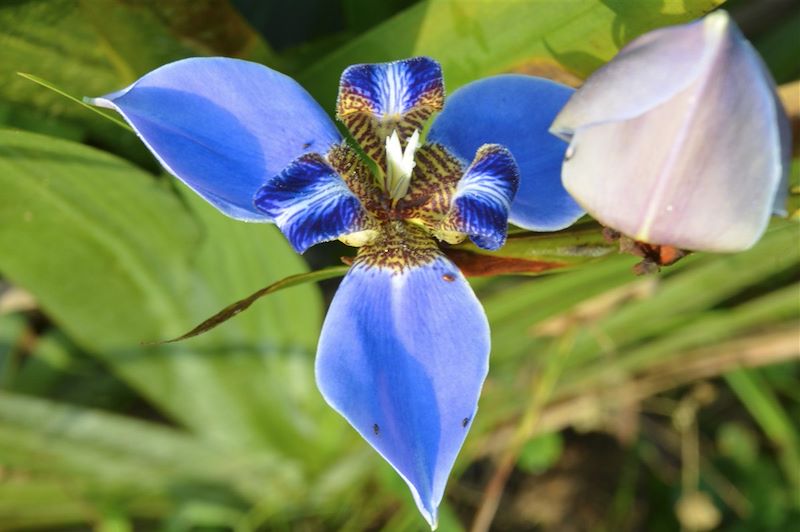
(718, 22)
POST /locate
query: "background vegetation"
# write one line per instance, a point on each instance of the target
(614, 402)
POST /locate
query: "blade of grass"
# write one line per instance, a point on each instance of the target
(108, 453)
(760, 401)
(704, 329)
(46, 84)
(606, 396)
(540, 395)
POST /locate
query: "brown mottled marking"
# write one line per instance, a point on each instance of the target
(358, 177)
(370, 129)
(399, 245)
(449, 277)
(433, 184)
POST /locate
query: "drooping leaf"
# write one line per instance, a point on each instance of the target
(240, 306)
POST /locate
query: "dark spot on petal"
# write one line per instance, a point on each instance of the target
(376, 429)
(465, 422)
(307, 145)
(449, 277)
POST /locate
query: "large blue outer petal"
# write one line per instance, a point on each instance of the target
(224, 126)
(515, 111)
(402, 357)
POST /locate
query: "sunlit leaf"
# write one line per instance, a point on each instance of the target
(478, 38)
(116, 260)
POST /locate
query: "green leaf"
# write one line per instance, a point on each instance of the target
(260, 364)
(12, 328)
(477, 38)
(765, 408)
(541, 452)
(635, 333)
(144, 467)
(117, 260)
(777, 45)
(738, 442)
(95, 240)
(705, 280)
(90, 48)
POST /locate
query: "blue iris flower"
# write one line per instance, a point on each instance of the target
(404, 349)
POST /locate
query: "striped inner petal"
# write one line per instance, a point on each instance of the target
(483, 197)
(432, 186)
(377, 99)
(311, 203)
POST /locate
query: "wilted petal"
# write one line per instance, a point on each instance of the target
(310, 203)
(483, 197)
(402, 356)
(223, 126)
(514, 111)
(690, 153)
(647, 72)
(377, 99)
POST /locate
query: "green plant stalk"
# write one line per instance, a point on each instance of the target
(765, 408)
(540, 395)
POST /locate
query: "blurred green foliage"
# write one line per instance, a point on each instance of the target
(627, 394)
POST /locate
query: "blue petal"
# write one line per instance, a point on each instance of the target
(376, 99)
(515, 111)
(310, 203)
(223, 126)
(484, 195)
(403, 356)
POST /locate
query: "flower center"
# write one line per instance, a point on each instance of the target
(399, 164)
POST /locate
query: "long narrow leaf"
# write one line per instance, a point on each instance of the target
(243, 304)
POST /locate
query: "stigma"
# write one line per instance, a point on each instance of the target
(399, 164)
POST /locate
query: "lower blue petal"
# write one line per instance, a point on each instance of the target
(515, 111)
(402, 356)
(224, 126)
